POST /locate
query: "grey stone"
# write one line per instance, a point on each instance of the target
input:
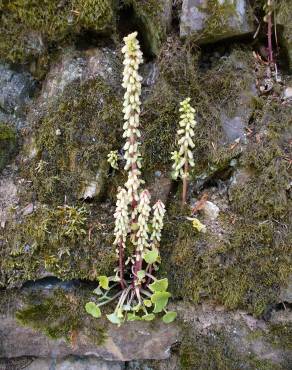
(210, 210)
(93, 187)
(286, 292)
(155, 23)
(288, 93)
(34, 43)
(149, 72)
(200, 19)
(81, 66)
(131, 341)
(74, 363)
(284, 18)
(16, 89)
(233, 128)
(8, 198)
(139, 342)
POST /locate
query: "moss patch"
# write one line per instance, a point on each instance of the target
(247, 267)
(67, 241)
(7, 143)
(28, 30)
(216, 351)
(284, 18)
(60, 315)
(280, 335)
(88, 120)
(180, 76)
(150, 18)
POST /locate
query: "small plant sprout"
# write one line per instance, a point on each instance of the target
(183, 158)
(139, 294)
(113, 158)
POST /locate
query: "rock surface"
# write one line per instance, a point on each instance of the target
(131, 341)
(284, 19)
(16, 89)
(242, 334)
(74, 363)
(76, 66)
(230, 285)
(154, 18)
(209, 21)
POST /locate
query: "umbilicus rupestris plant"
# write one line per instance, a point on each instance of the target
(183, 158)
(140, 295)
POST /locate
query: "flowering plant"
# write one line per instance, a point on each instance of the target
(183, 158)
(139, 294)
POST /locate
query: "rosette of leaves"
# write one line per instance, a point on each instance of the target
(153, 302)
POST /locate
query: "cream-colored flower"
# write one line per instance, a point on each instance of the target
(157, 221)
(186, 133)
(122, 224)
(144, 210)
(112, 159)
(132, 84)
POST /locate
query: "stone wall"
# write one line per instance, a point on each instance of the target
(61, 114)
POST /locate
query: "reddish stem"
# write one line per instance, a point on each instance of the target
(121, 265)
(270, 44)
(185, 181)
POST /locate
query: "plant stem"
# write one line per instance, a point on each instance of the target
(110, 300)
(143, 291)
(150, 276)
(270, 44)
(121, 265)
(185, 181)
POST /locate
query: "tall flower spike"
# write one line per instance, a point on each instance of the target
(132, 84)
(144, 210)
(157, 221)
(186, 132)
(121, 218)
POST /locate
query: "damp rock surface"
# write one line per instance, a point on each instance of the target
(211, 20)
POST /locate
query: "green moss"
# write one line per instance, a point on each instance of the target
(247, 268)
(151, 19)
(55, 22)
(60, 315)
(218, 25)
(280, 335)
(180, 76)
(87, 118)
(7, 143)
(284, 18)
(70, 242)
(216, 351)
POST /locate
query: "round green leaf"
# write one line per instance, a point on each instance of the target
(103, 282)
(141, 274)
(160, 300)
(93, 309)
(114, 319)
(151, 256)
(147, 302)
(159, 285)
(169, 317)
(148, 317)
(133, 317)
